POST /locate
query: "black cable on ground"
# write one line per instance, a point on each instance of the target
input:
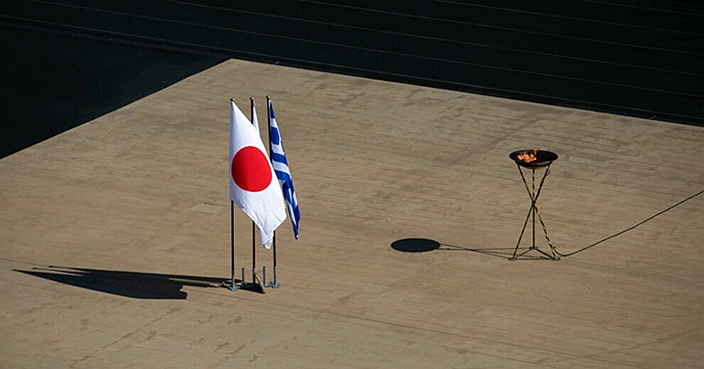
(633, 226)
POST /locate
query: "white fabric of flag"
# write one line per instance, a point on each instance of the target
(283, 173)
(252, 184)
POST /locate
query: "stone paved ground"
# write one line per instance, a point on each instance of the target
(115, 235)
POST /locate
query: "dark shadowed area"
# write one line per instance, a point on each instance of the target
(69, 61)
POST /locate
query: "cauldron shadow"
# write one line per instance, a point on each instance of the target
(419, 245)
(425, 245)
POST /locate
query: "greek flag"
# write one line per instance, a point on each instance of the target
(278, 160)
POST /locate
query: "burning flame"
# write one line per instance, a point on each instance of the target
(528, 157)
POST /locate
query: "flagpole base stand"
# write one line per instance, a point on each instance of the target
(231, 286)
(258, 287)
(274, 283)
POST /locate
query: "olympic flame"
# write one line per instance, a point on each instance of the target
(528, 157)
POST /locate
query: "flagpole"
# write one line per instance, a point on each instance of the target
(233, 287)
(263, 206)
(274, 283)
(254, 255)
(254, 247)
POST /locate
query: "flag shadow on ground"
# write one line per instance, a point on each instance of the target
(128, 284)
(425, 245)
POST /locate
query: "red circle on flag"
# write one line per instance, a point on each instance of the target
(250, 169)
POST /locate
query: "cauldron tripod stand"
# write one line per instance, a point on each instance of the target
(540, 160)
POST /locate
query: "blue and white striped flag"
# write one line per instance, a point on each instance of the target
(280, 164)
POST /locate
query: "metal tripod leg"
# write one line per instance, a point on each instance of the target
(534, 194)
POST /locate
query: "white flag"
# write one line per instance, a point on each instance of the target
(253, 184)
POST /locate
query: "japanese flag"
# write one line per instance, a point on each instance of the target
(253, 184)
